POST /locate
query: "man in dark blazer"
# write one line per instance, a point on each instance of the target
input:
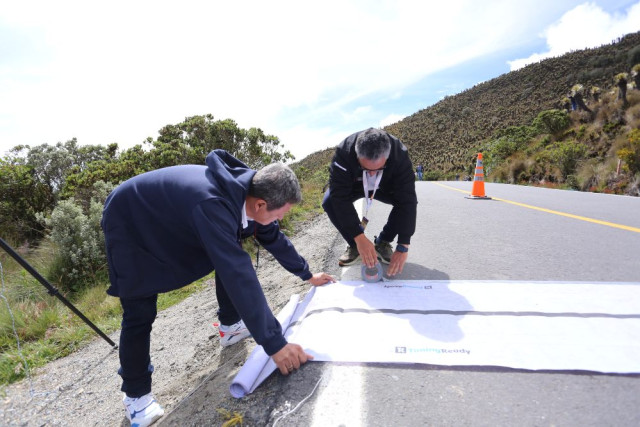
(166, 228)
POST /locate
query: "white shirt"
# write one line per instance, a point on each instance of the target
(245, 218)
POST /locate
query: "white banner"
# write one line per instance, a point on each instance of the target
(524, 325)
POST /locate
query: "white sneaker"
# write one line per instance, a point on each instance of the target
(230, 335)
(142, 411)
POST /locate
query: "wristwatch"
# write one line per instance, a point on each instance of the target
(402, 248)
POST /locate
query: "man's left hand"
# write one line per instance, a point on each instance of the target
(397, 263)
(319, 279)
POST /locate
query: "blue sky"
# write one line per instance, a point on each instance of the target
(309, 73)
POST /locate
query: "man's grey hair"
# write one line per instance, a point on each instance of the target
(277, 185)
(372, 144)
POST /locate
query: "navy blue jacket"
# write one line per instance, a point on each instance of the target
(166, 228)
(397, 185)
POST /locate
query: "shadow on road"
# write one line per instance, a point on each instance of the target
(436, 298)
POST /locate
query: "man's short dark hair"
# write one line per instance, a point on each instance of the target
(277, 185)
(373, 144)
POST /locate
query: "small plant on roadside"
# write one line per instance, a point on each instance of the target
(630, 152)
(231, 418)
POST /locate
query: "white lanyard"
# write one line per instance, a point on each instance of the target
(369, 200)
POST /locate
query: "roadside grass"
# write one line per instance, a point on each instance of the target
(310, 207)
(313, 176)
(46, 328)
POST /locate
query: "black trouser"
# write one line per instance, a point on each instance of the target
(388, 234)
(227, 314)
(135, 338)
(135, 342)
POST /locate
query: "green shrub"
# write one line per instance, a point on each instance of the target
(600, 61)
(572, 182)
(551, 121)
(611, 128)
(432, 175)
(518, 170)
(22, 196)
(507, 142)
(633, 56)
(565, 155)
(75, 230)
(80, 245)
(630, 152)
(517, 134)
(538, 144)
(499, 151)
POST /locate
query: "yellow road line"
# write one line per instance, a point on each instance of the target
(581, 218)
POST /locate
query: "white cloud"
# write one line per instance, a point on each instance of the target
(118, 72)
(390, 119)
(302, 140)
(586, 25)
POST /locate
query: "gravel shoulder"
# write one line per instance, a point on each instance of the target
(84, 388)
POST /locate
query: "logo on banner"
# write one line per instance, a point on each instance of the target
(427, 287)
(405, 350)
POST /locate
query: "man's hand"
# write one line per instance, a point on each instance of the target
(290, 357)
(321, 279)
(397, 263)
(367, 250)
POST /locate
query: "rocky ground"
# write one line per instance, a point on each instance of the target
(83, 388)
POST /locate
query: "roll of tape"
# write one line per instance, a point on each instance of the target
(371, 275)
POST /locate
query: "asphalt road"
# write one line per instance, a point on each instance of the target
(528, 234)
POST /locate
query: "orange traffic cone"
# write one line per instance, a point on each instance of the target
(477, 192)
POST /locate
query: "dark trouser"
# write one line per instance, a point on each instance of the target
(135, 341)
(135, 338)
(227, 314)
(388, 234)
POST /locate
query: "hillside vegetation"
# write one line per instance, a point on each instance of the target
(446, 136)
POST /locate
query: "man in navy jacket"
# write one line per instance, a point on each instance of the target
(376, 163)
(166, 228)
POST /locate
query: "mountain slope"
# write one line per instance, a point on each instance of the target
(445, 136)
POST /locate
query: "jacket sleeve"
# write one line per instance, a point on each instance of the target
(218, 229)
(274, 240)
(341, 187)
(404, 212)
